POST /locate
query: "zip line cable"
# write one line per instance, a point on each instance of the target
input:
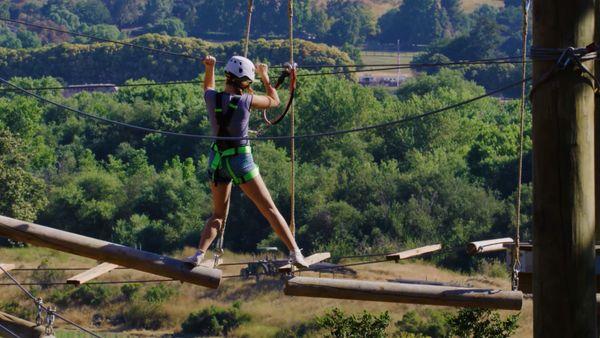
(40, 305)
(7, 330)
(263, 138)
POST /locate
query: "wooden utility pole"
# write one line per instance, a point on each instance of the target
(563, 177)
(597, 127)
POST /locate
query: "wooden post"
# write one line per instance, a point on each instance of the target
(21, 327)
(597, 128)
(563, 177)
(403, 293)
(107, 252)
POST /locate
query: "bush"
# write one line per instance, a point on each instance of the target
(482, 323)
(159, 294)
(141, 315)
(494, 269)
(432, 323)
(130, 290)
(17, 310)
(347, 326)
(47, 276)
(215, 321)
(92, 295)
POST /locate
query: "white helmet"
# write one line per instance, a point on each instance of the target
(240, 67)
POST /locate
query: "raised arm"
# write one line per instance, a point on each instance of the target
(271, 100)
(209, 76)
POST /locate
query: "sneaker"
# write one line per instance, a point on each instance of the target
(297, 259)
(196, 259)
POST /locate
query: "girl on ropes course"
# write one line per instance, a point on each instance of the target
(231, 161)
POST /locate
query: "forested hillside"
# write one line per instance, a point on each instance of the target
(446, 178)
(110, 63)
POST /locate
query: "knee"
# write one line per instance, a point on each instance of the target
(216, 221)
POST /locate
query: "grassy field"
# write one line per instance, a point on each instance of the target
(376, 57)
(269, 309)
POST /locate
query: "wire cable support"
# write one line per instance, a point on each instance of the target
(46, 309)
(263, 138)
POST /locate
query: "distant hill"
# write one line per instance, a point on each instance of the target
(379, 7)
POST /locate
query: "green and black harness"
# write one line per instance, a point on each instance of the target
(225, 149)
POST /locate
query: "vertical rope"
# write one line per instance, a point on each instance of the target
(248, 25)
(292, 130)
(516, 249)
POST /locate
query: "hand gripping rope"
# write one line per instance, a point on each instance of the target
(290, 71)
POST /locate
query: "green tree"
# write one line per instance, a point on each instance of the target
(341, 325)
(482, 323)
(93, 12)
(23, 194)
(214, 321)
(353, 23)
(415, 22)
(170, 26)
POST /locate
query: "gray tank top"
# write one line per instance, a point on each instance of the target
(239, 122)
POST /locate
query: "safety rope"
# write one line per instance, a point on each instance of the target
(49, 311)
(7, 330)
(516, 259)
(262, 138)
(248, 25)
(292, 126)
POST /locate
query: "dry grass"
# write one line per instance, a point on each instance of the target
(265, 302)
(376, 57)
(471, 5)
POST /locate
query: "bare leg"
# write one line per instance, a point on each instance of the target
(221, 194)
(257, 191)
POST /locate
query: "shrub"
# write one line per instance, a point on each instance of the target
(159, 294)
(17, 310)
(432, 323)
(130, 290)
(348, 326)
(141, 315)
(92, 295)
(494, 269)
(482, 323)
(214, 321)
(47, 276)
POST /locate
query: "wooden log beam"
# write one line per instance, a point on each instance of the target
(563, 175)
(21, 327)
(490, 245)
(403, 293)
(413, 252)
(92, 273)
(312, 259)
(107, 252)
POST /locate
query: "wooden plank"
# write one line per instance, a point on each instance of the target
(490, 245)
(21, 327)
(563, 176)
(6, 267)
(403, 293)
(108, 252)
(414, 252)
(312, 259)
(92, 273)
